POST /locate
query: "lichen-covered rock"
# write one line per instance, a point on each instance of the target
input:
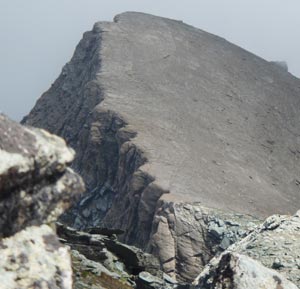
(276, 244)
(34, 258)
(36, 185)
(234, 271)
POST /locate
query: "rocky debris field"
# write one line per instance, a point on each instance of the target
(108, 261)
(252, 262)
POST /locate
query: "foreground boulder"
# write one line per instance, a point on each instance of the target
(36, 186)
(234, 271)
(34, 258)
(161, 114)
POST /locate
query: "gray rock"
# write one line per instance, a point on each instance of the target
(148, 281)
(105, 231)
(83, 264)
(89, 274)
(186, 243)
(110, 252)
(36, 185)
(168, 279)
(216, 231)
(160, 112)
(34, 258)
(236, 271)
(225, 243)
(276, 244)
(101, 261)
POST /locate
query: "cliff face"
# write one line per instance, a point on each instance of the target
(162, 114)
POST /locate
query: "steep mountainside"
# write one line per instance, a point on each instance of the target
(162, 114)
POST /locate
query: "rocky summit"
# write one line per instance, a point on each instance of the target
(184, 140)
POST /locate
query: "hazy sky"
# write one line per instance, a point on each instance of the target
(39, 36)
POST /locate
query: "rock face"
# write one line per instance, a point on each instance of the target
(36, 186)
(187, 236)
(162, 114)
(236, 271)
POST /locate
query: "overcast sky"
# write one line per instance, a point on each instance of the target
(39, 36)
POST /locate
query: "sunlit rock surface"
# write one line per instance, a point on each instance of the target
(241, 272)
(276, 244)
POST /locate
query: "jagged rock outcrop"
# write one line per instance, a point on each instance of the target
(36, 186)
(95, 246)
(186, 236)
(162, 113)
(276, 244)
(252, 262)
(236, 271)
